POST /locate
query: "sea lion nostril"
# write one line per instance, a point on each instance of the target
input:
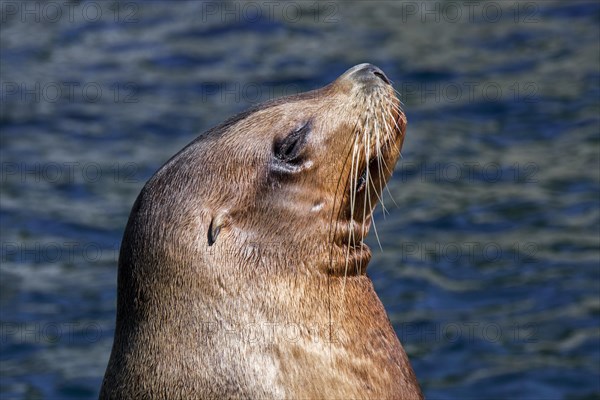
(382, 76)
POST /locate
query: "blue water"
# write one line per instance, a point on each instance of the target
(490, 269)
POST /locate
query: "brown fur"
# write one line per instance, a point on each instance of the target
(272, 309)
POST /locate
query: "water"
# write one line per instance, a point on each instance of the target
(490, 269)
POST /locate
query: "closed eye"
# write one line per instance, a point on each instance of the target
(289, 148)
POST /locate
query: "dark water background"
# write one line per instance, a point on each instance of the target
(490, 269)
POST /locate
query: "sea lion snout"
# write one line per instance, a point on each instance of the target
(366, 72)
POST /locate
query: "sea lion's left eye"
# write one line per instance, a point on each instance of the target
(288, 148)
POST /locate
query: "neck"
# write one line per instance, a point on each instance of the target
(288, 335)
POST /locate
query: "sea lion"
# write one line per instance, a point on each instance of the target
(242, 271)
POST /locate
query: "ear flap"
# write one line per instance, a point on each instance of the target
(219, 221)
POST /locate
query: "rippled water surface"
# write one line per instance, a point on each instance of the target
(490, 262)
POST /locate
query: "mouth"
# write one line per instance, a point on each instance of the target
(350, 231)
(370, 168)
(358, 254)
(351, 234)
(351, 251)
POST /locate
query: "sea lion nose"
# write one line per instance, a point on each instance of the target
(368, 71)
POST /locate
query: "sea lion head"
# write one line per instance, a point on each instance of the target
(294, 180)
(255, 221)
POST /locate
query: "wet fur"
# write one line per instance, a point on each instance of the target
(187, 309)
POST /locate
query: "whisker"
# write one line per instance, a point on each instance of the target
(333, 230)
